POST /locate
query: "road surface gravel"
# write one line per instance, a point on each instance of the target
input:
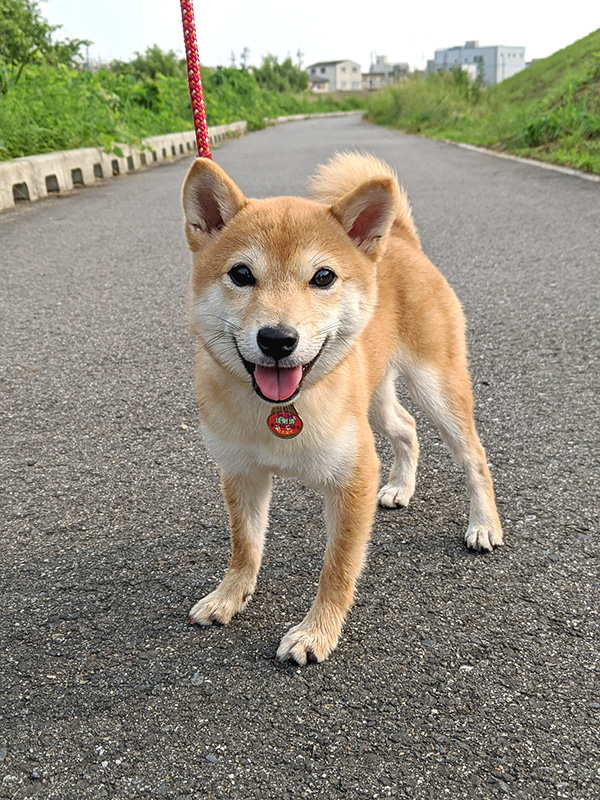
(458, 675)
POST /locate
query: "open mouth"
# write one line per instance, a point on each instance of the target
(278, 384)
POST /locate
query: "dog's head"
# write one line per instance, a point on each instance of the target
(281, 288)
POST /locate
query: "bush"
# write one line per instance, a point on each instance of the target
(55, 108)
(284, 77)
(63, 108)
(47, 104)
(424, 103)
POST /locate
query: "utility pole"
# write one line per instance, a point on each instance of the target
(300, 55)
(245, 55)
(232, 60)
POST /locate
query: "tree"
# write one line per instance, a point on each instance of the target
(151, 63)
(26, 38)
(284, 77)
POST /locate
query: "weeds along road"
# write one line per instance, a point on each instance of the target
(458, 675)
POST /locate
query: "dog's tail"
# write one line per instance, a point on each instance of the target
(346, 171)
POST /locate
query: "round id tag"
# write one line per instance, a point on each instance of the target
(285, 422)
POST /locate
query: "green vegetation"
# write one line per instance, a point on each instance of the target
(549, 111)
(48, 102)
(284, 77)
(26, 38)
(58, 108)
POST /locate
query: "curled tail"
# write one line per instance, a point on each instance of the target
(344, 172)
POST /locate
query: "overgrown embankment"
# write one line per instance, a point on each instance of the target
(50, 101)
(549, 111)
(59, 108)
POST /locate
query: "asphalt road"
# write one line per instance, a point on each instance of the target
(458, 675)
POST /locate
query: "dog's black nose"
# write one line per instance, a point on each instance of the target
(277, 342)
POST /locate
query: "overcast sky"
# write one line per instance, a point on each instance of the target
(409, 30)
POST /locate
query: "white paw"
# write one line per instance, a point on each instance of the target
(307, 642)
(483, 537)
(218, 606)
(393, 496)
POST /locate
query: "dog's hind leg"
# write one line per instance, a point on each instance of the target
(447, 399)
(390, 419)
(247, 498)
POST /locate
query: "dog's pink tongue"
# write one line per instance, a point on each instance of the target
(277, 384)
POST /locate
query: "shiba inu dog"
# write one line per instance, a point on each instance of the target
(305, 312)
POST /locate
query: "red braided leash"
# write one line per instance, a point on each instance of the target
(195, 79)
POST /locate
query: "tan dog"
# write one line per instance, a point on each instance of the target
(305, 312)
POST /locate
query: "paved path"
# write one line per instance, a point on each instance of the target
(458, 675)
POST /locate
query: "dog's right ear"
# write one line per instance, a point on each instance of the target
(210, 200)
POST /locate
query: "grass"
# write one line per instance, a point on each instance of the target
(549, 111)
(60, 108)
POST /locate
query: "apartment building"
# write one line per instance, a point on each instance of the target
(492, 64)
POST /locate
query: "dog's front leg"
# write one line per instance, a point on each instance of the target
(247, 498)
(349, 511)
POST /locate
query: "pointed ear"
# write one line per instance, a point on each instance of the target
(210, 200)
(367, 213)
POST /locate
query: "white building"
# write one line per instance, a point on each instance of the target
(382, 73)
(337, 76)
(493, 64)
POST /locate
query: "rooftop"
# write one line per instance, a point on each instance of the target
(330, 63)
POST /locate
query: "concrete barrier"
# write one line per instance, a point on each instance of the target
(35, 177)
(320, 115)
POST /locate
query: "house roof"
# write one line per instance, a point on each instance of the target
(331, 63)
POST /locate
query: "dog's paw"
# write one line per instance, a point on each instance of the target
(393, 495)
(218, 606)
(483, 537)
(306, 642)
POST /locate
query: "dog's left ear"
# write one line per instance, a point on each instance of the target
(210, 200)
(367, 213)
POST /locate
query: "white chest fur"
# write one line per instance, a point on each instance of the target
(318, 456)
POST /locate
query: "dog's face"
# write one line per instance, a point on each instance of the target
(281, 288)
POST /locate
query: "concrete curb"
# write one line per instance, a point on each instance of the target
(531, 162)
(36, 177)
(321, 115)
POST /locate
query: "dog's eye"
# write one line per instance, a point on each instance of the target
(241, 275)
(323, 278)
